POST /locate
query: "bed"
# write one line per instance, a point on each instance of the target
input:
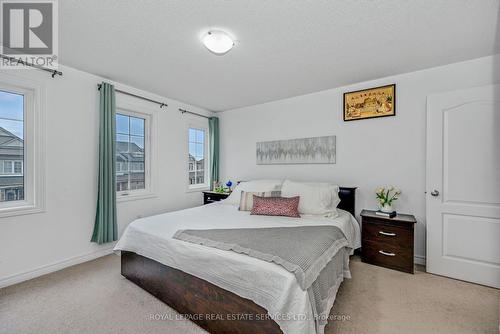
(223, 291)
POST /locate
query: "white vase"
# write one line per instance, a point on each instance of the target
(386, 208)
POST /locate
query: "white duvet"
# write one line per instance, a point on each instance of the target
(267, 284)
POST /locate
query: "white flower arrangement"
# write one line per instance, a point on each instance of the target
(387, 195)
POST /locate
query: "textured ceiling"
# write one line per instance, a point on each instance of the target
(284, 47)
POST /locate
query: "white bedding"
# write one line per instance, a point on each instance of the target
(267, 284)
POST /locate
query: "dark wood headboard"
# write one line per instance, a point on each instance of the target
(347, 199)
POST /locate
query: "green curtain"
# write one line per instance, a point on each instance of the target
(105, 226)
(213, 131)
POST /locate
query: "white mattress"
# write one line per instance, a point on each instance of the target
(267, 284)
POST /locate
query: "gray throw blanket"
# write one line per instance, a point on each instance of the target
(317, 256)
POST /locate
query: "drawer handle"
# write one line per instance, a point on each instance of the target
(387, 234)
(386, 254)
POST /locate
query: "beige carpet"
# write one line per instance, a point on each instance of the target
(93, 298)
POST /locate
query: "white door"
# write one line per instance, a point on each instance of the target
(463, 185)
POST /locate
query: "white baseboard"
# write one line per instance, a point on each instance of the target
(419, 259)
(43, 270)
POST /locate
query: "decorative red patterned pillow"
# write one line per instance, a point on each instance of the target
(276, 206)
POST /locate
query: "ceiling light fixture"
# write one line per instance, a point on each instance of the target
(218, 42)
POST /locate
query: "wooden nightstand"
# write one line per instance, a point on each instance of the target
(212, 196)
(388, 242)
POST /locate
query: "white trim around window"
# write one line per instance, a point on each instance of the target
(34, 145)
(149, 115)
(201, 124)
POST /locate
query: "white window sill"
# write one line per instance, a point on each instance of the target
(20, 210)
(134, 197)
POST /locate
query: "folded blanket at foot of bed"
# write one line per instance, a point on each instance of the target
(318, 256)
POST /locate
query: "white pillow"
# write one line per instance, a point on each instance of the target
(315, 198)
(253, 186)
(246, 201)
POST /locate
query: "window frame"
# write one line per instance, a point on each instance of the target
(198, 124)
(33, 164)
(149, 116)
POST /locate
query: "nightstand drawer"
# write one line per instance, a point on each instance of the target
(387, 255)
(392, 235)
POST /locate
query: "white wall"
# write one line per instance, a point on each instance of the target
(370, 153)
(31, 245)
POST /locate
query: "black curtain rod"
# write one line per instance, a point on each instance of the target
(38, 67)
(137, 96)
(192, 113)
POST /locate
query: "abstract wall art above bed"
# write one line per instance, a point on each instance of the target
(315, 150)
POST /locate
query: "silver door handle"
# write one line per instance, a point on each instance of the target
(386, 254)
(387, 233)
(435, 193)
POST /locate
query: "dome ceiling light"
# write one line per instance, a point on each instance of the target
(218, 42)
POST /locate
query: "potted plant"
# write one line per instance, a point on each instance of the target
(385, 197)
(221, 189)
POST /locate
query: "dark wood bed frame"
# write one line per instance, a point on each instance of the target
(211, 307)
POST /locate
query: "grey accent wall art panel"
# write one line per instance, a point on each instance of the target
(315, 150)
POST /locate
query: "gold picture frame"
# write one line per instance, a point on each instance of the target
(370, 103)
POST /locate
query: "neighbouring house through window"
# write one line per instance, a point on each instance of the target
(197, 161)
(130, 153)
(11, 146)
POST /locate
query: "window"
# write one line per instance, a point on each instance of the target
(22, 173)
(18, 167)
(12, 107)
(7, 167)
(130, 153)
(197, 158)
(135, 135)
